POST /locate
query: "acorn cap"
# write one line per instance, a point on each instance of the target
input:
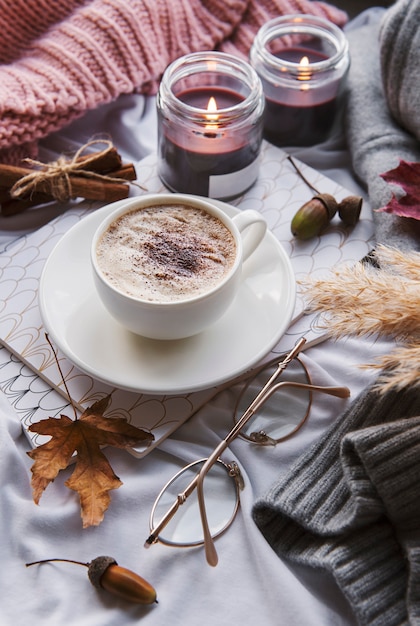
(329, 202)
(97, 568)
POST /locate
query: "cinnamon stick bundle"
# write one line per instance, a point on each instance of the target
(97, 175)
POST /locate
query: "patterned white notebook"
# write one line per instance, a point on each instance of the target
(28, 373)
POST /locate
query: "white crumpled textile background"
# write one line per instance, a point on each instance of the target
(250, 585)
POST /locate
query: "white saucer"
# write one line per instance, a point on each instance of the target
(84, 331)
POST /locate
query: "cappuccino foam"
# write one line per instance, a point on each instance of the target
(166, 253)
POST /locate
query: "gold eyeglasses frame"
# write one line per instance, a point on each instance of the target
(269, 388)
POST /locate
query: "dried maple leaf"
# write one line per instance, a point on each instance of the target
(406, 176)
(93, 477)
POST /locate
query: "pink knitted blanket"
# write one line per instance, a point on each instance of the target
(58, 59)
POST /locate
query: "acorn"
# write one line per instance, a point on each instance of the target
(314, 216)
(105, 573)
(349, 209)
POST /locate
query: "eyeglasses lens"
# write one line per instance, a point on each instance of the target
(284, 411)
(221, 499)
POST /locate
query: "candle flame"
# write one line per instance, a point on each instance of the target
(303, 69)
(212, 116)
(211, 110)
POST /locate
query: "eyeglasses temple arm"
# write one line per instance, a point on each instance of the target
(338, 392)
(209, 547)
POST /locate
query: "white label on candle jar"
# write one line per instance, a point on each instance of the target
(233, 184)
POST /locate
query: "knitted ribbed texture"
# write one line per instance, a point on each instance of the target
(64, 57)
(351, 505)
(400, 63)
(376, 141)
(22, 22)
(260, 11)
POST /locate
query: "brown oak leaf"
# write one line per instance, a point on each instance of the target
(93, 477)
(406, 176)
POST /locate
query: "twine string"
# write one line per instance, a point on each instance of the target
(57, 174)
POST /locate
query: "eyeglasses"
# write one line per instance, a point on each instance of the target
(201, 501)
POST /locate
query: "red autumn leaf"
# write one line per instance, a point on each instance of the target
(93, 476)
(407, 177)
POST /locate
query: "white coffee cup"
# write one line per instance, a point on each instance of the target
(182, 316)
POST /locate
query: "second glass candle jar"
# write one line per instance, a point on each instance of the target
(303, 62)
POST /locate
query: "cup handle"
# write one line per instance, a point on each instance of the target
(252, 228)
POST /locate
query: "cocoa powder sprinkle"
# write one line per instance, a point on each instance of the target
(171, 252)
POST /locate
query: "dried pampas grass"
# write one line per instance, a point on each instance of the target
(364, 300)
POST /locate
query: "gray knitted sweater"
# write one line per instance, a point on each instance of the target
(351, 505)
(383, 113)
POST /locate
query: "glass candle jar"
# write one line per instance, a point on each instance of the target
(303, 62)
(210, 123)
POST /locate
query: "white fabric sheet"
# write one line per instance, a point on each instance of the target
(250, 585)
